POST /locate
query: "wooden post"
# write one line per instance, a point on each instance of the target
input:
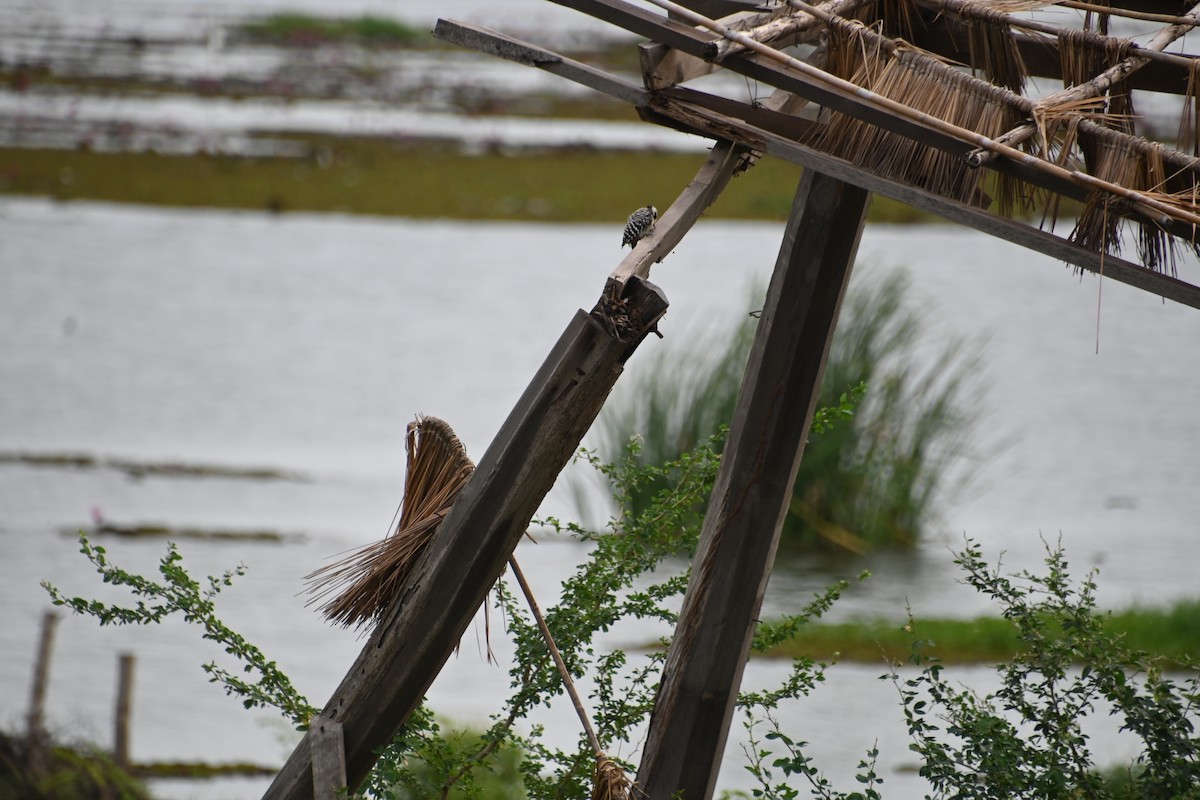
(36, 730)
(328, 761)
(692, 713)
(438, 600)
(124, 703)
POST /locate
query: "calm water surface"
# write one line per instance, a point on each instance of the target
(308, 342)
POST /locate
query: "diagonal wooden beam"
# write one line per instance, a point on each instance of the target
(411, 643)
(951, 210)
(692, 712)
(486, 40)
(677, 220)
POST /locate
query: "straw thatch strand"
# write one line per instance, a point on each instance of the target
(917, 83)
(1099, 227)
(369, 579)
(993, 50)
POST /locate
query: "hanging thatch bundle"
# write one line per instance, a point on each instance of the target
(368, 580)
(994, 52)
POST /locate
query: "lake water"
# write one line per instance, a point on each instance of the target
(307, 343)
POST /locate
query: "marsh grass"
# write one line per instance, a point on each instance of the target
(406, 179)
(299, 29)
(872, 479)
(878, 480)
(1172, 634)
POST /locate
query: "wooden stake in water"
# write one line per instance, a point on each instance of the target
(36, 733)
(124, 702)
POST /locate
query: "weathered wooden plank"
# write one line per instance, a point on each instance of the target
(413, 640)
(677, 220)
(486, 40)
(328, 760)
(690, 721)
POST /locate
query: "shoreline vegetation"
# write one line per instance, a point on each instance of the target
(427, 180)
(1171, 634)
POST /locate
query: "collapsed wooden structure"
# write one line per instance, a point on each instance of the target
(924, 101)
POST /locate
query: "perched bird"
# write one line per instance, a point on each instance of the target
(639, 225)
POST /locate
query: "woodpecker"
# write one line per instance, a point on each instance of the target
(639, 225)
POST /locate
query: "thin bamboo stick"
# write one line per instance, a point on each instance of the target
(1117, 11)
(975, 10)
(572, 692)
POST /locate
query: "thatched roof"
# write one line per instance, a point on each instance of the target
(1012, 106)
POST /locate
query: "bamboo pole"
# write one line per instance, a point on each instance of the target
(548, 638)
(1118, 11)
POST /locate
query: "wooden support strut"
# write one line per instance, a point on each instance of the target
(438, 600)
(692, 713)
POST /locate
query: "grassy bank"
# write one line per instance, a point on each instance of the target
(299, 29)
(1172, 633)
(372, 176)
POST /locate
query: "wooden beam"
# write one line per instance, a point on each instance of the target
(438, 600)
(328, 761)
(690, 722)
(719, 126)
(486, 40)
(677, 220)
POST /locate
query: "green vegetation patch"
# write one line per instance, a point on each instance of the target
(200, 770)
(1172, 634)
(425, 180)
(142, 469)
(297, 29)
(44, 770)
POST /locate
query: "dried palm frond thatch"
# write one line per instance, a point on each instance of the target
(1098, 227)
(368, 580)
(918, 80)
(993, 50)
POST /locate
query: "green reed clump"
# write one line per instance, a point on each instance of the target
(877, 480)
(872, 480)
(295, 28)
